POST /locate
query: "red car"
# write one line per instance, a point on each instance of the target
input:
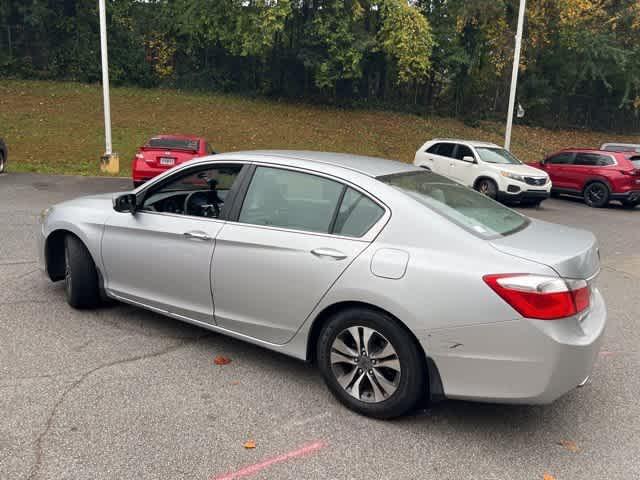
(596, 175)
(165, 151)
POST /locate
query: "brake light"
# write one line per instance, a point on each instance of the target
(139, 156)
(539, 296)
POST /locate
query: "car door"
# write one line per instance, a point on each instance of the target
(438, 156)
(296, 232)
(461, 170)
(161, 255)
(557, 168)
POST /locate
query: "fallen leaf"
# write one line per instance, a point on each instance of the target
(249, 444)
(548, 476)
(221, 360)
(569, 445)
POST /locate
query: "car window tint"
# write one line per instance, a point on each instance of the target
(561, 159)
(446, 149)
(463, 151)
(433, 148)
(357, 214)
(463, 206)
(592, 159)
(290, 199)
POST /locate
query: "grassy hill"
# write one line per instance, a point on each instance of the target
(57, 127)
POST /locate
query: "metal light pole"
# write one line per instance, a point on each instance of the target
(514, 74)
(109, 162)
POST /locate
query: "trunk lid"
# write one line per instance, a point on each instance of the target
(159, 157)
(571, 252)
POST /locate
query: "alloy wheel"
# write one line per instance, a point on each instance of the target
(67, 274)
(365, 364)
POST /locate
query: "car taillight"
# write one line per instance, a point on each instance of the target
(139, 156)
(539, 296)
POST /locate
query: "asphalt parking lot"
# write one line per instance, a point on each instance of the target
(121, 393)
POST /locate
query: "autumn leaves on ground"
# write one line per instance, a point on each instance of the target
(56, 127)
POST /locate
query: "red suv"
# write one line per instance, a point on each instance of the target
(596, 175)
(165, 151)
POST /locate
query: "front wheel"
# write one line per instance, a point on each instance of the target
(487, 187)
(596, 195)
(371, 363)
(81, 284)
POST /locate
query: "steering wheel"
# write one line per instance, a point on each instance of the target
(198, 204)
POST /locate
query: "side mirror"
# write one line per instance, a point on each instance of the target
(469, 158)
(125, 203)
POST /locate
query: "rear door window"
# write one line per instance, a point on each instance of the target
(446, 149)
(357, 214)
(291, 199)
(561, 159)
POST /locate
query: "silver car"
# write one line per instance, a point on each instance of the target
(397, 282)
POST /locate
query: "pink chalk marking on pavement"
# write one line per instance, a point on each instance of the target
(256, 467)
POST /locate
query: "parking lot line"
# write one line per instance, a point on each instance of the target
(256, 467)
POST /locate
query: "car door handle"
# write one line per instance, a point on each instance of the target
(329, 253)
(197, 235)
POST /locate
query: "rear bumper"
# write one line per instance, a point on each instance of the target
(142, 171)
(521, 361)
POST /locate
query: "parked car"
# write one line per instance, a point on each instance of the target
(163, 152)
(3, 155)
(487, 167)
(621, 147)
(396, 281)
(595, 175)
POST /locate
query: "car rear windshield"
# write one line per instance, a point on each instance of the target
(467, 208)
(174, 144)
(497, 155)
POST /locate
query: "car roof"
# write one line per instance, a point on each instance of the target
(370, 166)
(620, 144)
(473, 143)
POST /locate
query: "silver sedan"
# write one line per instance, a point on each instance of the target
(398, 283)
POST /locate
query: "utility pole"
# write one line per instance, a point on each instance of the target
(109, 162)
(514, 74)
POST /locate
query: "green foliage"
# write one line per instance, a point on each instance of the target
(580, 62)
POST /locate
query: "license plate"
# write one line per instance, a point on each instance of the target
(167, 161)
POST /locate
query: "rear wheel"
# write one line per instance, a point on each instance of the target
(80, 277)
(487, 187)
(371, 363)
(596, 195)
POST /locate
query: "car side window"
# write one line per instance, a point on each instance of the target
(201, 192)
(291, 199)
(463, 151)
(357, 214)
(561, 159)
(592, 159)
(446, 149)
(433, 148)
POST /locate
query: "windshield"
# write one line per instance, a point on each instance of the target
(174, 144)
(635, 160)
(467, 208)
(497, 155)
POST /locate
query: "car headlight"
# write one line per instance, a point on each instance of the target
(44, 214)
(512, 176)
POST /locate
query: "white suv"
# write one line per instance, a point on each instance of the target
(487, 167)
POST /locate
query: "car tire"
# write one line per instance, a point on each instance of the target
(382, 391)
(3, 162)
(596, 195)
(487, 187)
(81, 283)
